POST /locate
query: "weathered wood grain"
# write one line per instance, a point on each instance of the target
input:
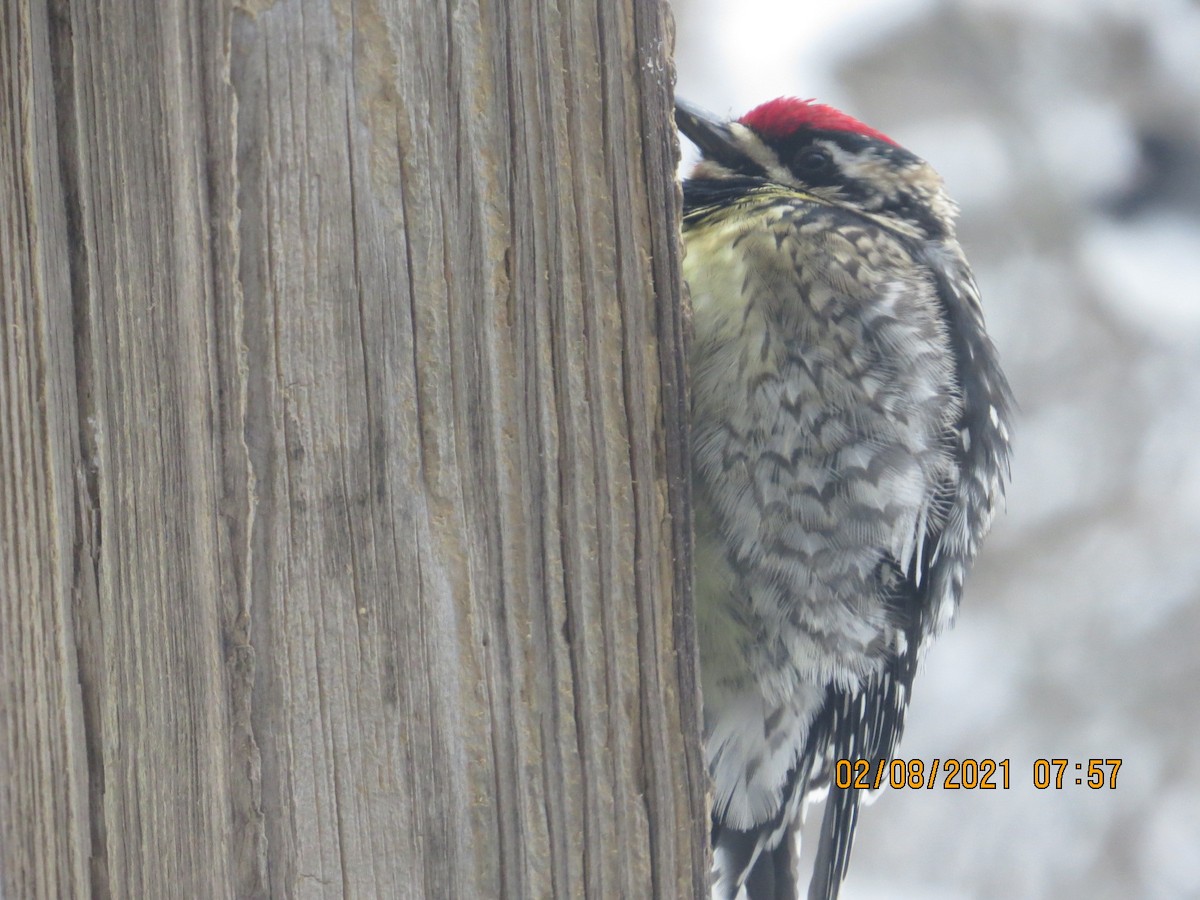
(346, 542)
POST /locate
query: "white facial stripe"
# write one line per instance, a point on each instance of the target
(779, 173)
(755, 148)
(857, 165)
(785, 176)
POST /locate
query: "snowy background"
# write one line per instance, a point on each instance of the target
(1069, 131)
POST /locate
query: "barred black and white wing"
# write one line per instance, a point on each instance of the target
(867, 724)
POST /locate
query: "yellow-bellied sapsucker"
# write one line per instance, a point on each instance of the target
(850, 440)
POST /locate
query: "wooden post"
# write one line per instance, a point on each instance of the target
(343, 499)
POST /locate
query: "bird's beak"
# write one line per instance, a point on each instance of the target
(712, 137)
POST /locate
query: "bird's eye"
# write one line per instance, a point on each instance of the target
(813, 159)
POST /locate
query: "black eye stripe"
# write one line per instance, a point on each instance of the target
(813, 156)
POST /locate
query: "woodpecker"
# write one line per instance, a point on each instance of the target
(850, 435)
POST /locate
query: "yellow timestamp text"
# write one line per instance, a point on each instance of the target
(950, 774)
(970, 774)
(1095, 773)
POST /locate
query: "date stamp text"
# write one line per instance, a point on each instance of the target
(972, 774)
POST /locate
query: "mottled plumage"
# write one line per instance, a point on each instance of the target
(850, 436)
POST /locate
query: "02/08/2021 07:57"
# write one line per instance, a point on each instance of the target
(970, 774)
